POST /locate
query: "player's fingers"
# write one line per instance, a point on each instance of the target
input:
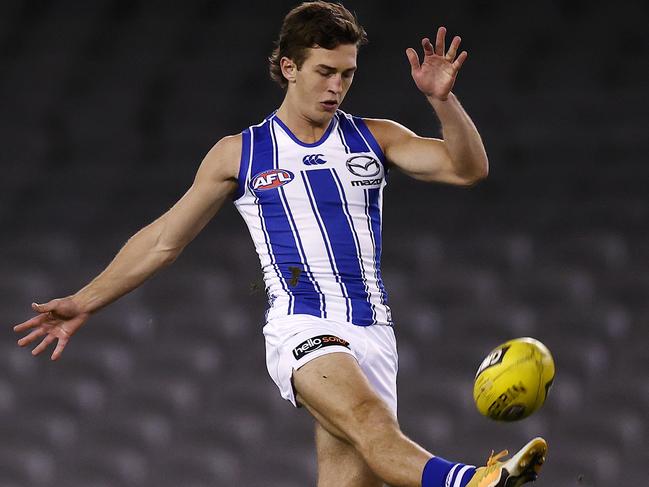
(427, 46)
(43, 345)
(452, 50)
(440, 47)
(44, 308)
(26, 340)
(63, 341)
(31, 323)
(413, 58)
(460, 60)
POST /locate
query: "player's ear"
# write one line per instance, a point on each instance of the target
(289, 69)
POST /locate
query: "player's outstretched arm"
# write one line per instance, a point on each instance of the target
(153, 247)
(461, 157)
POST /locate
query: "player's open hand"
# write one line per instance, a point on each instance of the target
(435, 76)
(57, 320)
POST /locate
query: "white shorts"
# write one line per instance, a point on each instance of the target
(295, 340)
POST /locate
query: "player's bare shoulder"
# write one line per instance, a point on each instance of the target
(223, 159)
(387, 132)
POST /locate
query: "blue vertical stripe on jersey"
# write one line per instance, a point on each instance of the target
(369, 138)
(325, 240)
(243, 164)
(272, 223)
(351, 136)
(374, 221)
(340, 133)
(331, 207)
(309, 299)
(359, 252)
(371, 233)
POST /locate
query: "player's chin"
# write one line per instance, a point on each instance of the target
(323, 116)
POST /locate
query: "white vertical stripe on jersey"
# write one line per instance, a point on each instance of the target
(373, 251)
(294, 230)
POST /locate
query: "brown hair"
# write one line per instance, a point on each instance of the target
(311, 24)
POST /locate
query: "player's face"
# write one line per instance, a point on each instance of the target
(324, 79)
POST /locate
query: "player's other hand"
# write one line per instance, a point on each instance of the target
(57, 320)
(435, 76)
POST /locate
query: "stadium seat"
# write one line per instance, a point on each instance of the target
(189, 463)
(169, 396)
(99, 464)
(147, 433)
(65, 395)
(27, 465)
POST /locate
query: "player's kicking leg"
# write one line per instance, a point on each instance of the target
(335, 390)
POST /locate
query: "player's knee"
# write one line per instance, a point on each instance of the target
(371, 409)
(369, 421)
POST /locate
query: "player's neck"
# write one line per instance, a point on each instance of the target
(304, 128)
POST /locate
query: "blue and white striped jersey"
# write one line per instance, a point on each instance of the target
(314, 214)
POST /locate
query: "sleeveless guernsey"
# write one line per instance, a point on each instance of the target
(314, 214)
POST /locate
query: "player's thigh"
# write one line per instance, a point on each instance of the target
(340, 464)
(336, 391)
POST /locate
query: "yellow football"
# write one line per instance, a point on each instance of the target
(513, 380)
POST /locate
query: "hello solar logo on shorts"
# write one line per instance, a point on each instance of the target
(270, 179)
(316, 343)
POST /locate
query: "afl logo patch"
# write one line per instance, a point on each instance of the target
(363, 166)
(270, 179)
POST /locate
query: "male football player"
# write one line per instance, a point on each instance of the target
(308, 181)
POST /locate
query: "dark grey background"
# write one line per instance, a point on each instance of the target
(107, 107)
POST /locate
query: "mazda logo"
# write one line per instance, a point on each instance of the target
(363, 166)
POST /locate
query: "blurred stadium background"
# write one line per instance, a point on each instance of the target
(108, 106)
